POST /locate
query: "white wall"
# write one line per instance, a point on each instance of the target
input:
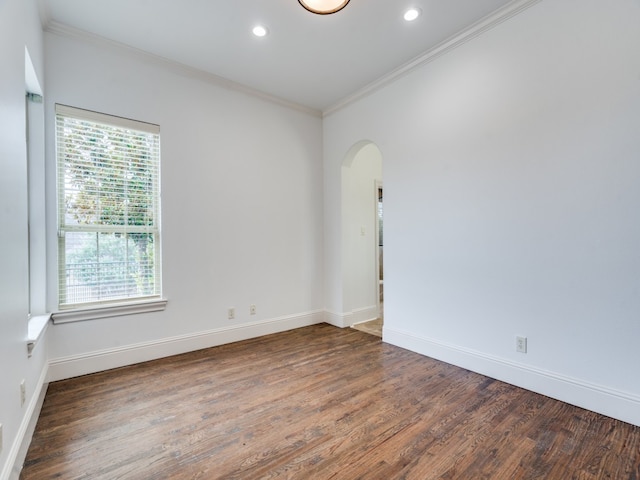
(19, 27)
(359, 206)
(511, 202)
(241, 206)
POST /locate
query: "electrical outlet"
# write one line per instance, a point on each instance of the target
(252, 310)
(521, 344)
(232, 313)
(23, 393)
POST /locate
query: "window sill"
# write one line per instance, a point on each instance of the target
(37, 326)
(106, 311)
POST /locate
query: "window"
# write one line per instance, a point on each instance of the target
(108, 209)
(35, 168)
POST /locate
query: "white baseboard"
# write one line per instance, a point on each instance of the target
(616, 404)
(18, 452)
(73, 366)
(347, 319)
(340, 320)
(606, 401)
(364, 314)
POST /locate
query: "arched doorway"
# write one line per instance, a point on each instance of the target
(361, 239)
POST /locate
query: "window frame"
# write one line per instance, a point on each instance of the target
(126, 304)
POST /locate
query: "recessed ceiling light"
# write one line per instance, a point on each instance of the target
(411, 14)
(260, 31)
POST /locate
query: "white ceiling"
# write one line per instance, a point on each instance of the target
(311, 60)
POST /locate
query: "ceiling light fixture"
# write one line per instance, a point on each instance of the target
(260, 31)
(411, 14)
(323, 7)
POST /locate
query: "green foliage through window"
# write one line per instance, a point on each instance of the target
(108, 180)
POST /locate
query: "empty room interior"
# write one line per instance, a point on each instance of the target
(191, 200)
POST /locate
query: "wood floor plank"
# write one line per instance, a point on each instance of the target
(317, 403)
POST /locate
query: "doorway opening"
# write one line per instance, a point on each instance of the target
(380, 256)
(374, 327)
(363, 276)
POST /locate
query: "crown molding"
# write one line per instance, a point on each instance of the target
(63, 30)
(487, 23)
(45, 14)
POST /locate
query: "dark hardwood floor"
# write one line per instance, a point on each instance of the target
(317, 403)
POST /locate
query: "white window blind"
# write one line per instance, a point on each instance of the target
(108, 208)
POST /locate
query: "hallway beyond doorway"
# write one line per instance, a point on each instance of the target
(372, 327)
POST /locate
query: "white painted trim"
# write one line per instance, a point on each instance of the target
(176, 67)
(617, 404)
(105, 119)
(336, 319)
(45, 14)
(364, 314)
(460, 38)
(377, 186)
(35, 331)
(91, 362)
(348, 319)
(106, 311)
(340, 320)
(18, 452)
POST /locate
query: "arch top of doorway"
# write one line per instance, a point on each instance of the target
(356, 148)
